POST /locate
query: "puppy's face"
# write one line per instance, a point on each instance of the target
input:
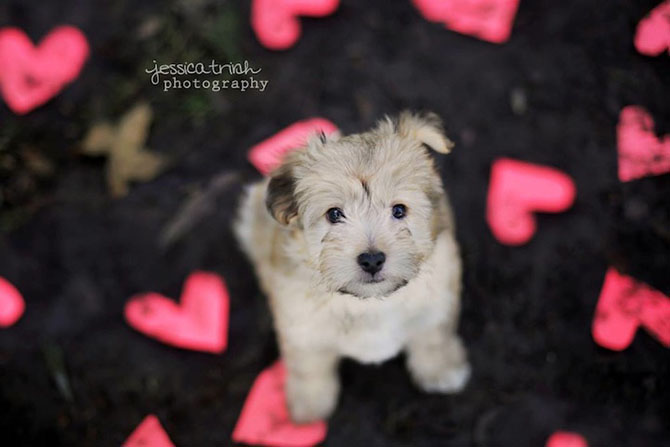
(370, 205)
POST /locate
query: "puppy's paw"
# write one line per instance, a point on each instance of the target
(451, 379)
(311, 400)
(440, 369)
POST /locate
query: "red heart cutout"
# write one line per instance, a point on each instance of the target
(641, 152)
(653, 32)
(267, 154)
(199, 322)
(566, 439)
(626, 304)
(517, 190)
(276, 23)
(11, 304)
(30, 75)
(149, 433)
(265, 419)
(489, 20)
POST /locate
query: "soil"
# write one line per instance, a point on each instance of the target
(73, 373)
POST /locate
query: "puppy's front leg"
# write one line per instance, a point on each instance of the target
(437, 360)
(312, 385)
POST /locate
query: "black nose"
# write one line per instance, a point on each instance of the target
(371, 262)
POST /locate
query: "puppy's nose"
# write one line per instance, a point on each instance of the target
(371, 262)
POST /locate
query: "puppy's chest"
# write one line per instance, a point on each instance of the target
(378, 333)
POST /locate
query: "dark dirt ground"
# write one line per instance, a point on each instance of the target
(73, 373)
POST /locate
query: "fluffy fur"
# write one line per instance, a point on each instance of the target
(325, 306)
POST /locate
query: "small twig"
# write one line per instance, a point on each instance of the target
(200, 205)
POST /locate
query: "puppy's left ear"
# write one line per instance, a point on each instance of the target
(280, 195)
(427, 129)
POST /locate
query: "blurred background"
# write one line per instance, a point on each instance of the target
(77, 245)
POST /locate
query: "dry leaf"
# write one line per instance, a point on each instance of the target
(128, 160)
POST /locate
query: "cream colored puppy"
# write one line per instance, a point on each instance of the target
(353, 241)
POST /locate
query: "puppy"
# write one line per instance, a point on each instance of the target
(353, 241)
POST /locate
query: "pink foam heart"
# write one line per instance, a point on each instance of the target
(11, 304)
(276, 22)
(149, 433)
(199, 322)
(653, 32)
(517, 190)
(267, 154)
(626, 304)
(566, 439)
(489, 20)
(641, 152)
(265, 418)
(31, 75)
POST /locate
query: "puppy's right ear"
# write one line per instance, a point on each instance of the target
(427, 129)
(280, 197)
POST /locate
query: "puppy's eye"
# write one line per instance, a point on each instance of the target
(334, 215)
(399, 211)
